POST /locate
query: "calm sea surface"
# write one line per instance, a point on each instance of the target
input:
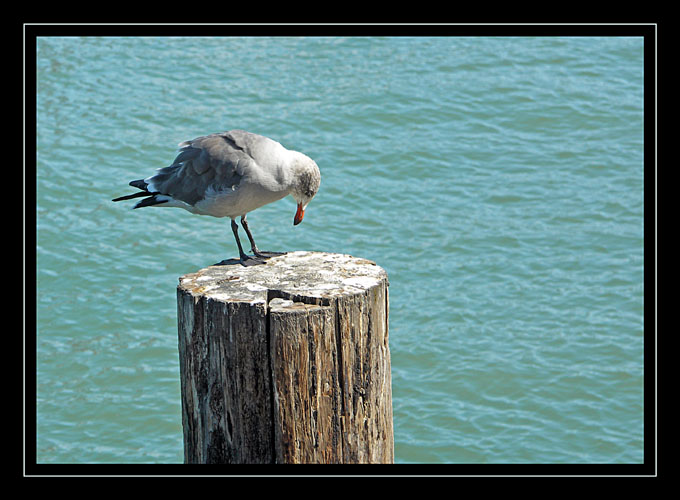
(498, 181)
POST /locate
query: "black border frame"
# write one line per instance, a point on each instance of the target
(650, 32)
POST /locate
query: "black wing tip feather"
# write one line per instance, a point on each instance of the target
(140, 184)
(131, 196)
(150, 201)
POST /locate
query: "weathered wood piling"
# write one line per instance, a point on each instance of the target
(286, 362)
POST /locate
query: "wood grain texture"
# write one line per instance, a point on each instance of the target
(287, 362)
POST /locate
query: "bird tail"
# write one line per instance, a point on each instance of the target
(150, 198)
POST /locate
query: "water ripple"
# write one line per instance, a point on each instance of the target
(497, 180)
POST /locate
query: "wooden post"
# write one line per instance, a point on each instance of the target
(286, 362)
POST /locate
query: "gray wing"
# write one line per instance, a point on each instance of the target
(213, 160)
(265, 152)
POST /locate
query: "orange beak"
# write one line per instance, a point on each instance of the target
(299, 215)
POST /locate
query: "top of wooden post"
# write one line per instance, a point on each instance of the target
(310, 277)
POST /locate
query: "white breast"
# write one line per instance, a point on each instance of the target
(237, 201)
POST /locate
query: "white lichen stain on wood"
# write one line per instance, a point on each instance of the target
(313, 274)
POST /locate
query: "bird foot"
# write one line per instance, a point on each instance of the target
(247, 261)
(267, 255)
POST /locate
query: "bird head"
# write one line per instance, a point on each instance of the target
(308, 180)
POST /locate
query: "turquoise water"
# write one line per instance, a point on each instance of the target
(498, 181)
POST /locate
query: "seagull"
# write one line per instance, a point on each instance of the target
(229, 174)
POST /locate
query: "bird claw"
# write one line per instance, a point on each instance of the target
(247, 261)
(267, 255)
(258, 258)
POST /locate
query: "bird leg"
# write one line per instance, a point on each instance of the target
(253, 246)
(246, 260)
